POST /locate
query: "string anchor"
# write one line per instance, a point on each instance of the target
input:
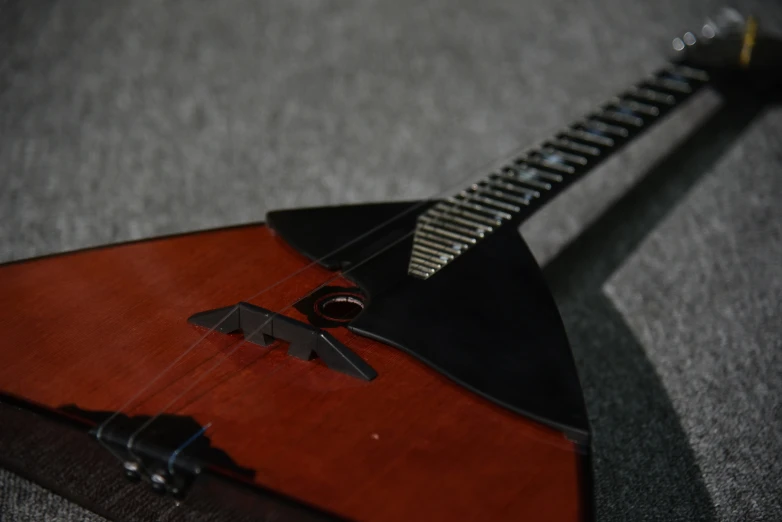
(262, 327)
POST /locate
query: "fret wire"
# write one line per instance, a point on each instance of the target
(491, 202)
(515, 188)
(479, 229)
(652, 95)
(634, 107)
(515, 176)
(475, 217)
(575, 146)
(481, 208)
(414, 270)
(669, 84)
(586, 136)
(567, 156)
(528, 174)
(689, 72)
(456, 247)
(434, 252)
(457, 219)
(442, 223)
(607, 127)
(419, 260)
(423, 240)
(447, 233)
(541, 164)
(499, 194)
(621, 117)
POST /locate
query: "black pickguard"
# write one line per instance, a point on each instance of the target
(487, 320)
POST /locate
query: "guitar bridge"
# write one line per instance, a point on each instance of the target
(262, 327)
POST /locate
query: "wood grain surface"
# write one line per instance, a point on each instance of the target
(106, 329)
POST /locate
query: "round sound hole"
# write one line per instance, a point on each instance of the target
(340, 308)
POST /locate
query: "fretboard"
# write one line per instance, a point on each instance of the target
(515, 191)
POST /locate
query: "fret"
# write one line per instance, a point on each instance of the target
(689, 72)
(432, 251)
(547, 164)
(588, 136)
(464, 240)
(491, 202)
(527, 176)
(446, 250)
(574, 146)
(448, 225)
(669, 84)
(456, 219)
(452, 226)
(530, 175)
(607, 128)
(469, 215)
(621, 118)
(564, 155)
(652, 95)
(500, 194)
(480, 208)
(448, 244)
(419, 259)
(625, 105)
(504, 185)
(418, 272)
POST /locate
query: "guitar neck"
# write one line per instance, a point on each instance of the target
(509, 195)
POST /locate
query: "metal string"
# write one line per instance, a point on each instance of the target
(301, 270)
(314, 263)
(194, 437)
(131, 439)
(446, 212)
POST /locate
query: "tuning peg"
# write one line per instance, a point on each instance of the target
(686, 39)
(727, 20)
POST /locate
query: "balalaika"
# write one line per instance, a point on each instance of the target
(400, 361)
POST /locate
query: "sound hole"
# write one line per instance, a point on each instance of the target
(340, 308)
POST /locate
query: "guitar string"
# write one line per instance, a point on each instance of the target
(202, 430)
(146, 424)
(222, 320)
(194, 437)
(171, 461)
(280, 311)
(513, 153)
(317, 262)
(215, 385)
(340, 319)
(370, 232)
(312, 264)
(102, 426)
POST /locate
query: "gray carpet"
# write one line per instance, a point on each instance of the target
(124, 120)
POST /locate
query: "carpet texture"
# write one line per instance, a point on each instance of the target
(126, 120)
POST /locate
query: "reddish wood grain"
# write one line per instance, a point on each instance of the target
(94, 328)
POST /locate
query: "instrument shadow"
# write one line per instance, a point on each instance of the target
(641, 455)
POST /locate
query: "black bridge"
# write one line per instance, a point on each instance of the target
(262, 327)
